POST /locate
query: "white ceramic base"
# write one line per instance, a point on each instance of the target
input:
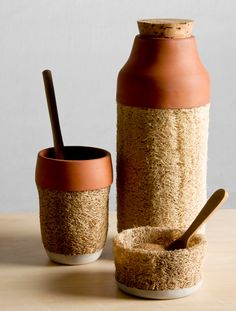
(74, 260)
(160, 294)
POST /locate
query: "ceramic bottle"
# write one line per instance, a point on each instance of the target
(163, 96)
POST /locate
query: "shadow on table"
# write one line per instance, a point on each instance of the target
(107, 251)
(23, 250)
(28, 250)
(92, 284)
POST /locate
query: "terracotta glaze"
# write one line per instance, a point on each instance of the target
(84, 168)
(163, 73)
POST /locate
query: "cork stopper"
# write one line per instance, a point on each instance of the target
(166, 28)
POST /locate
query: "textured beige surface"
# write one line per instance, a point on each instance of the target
(166, 28)
(161, 165)
(154, 269)
(30, 282)
(74, 223)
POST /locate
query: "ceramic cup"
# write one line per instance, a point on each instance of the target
(146, 271)
(73, 199)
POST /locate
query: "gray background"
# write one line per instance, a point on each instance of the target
(85, 43)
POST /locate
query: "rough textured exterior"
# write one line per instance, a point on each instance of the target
(161, 165)
(157, 270)
(74, 223)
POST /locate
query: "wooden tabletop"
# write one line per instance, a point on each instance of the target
(29, 281)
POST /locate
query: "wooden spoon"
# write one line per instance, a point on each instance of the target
(52, 109)
(214, 202)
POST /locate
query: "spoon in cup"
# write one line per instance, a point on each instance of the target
(53, 114)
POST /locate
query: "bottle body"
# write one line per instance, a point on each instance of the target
(163, 95)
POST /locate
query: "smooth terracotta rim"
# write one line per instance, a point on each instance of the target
(163, 73)
(92, 170)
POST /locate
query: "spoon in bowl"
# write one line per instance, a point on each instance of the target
(214, 202)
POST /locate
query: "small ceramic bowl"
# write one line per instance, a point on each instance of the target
(144, 270)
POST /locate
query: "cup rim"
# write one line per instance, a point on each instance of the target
(44, 153)
(93, 171)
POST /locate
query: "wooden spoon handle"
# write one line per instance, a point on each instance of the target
(214, 202)
(52, 108)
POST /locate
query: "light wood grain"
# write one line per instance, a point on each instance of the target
(29, 281)
(213, 203)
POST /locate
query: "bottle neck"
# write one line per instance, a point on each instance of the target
(163, 73)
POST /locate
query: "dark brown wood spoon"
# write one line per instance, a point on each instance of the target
(53, 114)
